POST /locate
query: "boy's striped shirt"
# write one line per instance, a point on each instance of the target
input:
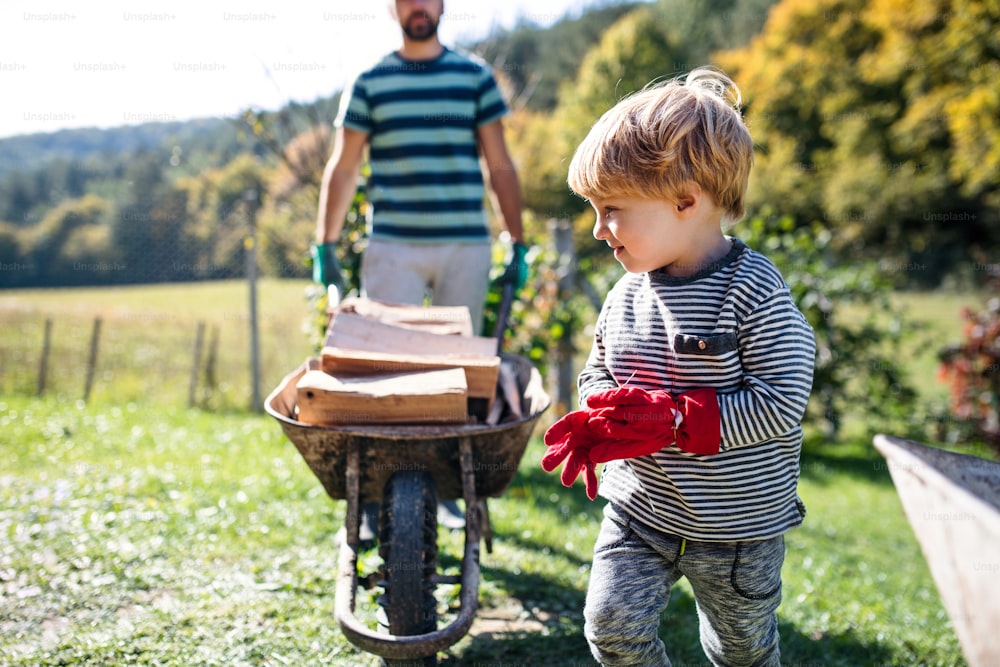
(733, 327)
(426, 184)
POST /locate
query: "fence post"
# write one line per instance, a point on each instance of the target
(196, 364)
(95, 337)
(213, 352)
(43, 365)
(252, 198)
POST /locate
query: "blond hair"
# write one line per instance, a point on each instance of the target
(653, 141)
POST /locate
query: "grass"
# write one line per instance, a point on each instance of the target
(179, 537)
(134, 530)
(147, 340)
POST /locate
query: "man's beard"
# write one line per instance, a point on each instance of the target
(423, 32)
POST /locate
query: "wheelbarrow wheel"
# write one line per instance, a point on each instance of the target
(408, 547)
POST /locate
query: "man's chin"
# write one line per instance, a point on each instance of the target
(421, 32)
(422, 35)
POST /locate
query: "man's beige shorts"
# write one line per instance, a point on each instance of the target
(447, 274)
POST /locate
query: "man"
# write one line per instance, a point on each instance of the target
(431, 119)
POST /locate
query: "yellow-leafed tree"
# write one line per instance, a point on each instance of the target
(880, 118)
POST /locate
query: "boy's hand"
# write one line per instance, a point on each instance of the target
(576, 463)
(628, 422)
(574, 439)
(700, 431)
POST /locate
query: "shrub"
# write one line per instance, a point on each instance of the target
(972, 370)
(858, 329)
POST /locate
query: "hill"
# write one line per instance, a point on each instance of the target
(31, 151)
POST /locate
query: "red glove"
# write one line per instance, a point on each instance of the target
(570, 440)
(654, 419)
(700, 430)
(621, 424)
(630, 413)
(628, 422)
(576, 463)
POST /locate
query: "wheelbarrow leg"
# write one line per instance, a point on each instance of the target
(487, 529)
(473, 507)
(352, 479)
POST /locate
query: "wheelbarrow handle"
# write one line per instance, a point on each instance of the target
(503, 314)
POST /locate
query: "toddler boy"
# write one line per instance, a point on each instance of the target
(695, 387)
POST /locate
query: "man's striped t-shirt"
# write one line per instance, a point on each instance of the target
(732, 327)
(421, 117)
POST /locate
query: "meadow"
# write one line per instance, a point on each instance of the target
(136, 530)
(146, 348)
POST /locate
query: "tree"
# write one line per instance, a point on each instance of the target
(57, 254)
(149, 231)
(879, 118)
(699, 28)
(535, 61)
(217, 213)
(13, 268)
(288, 219)
(856, 371)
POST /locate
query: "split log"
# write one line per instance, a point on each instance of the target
(445, 320)
(437, 396)
(358, 345)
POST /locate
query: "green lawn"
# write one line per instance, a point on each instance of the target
(136, 531)
(176, 537)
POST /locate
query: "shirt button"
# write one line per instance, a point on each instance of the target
(702, 345)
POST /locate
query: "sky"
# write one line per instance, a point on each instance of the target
(67, 64)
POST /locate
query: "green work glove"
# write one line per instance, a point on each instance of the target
(516, 273)
(326, 268)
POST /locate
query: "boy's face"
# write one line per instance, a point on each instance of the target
(650, 234)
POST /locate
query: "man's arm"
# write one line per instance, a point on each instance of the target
(501, 177)
(339, 184)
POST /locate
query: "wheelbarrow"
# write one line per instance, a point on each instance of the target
(952, 502)
(408, 468)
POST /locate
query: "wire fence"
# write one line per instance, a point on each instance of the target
(152, 355)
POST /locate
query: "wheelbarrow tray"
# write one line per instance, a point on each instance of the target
(952, 502)
(388, 448)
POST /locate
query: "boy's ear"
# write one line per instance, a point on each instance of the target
(692, 196)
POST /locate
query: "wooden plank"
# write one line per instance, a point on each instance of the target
(356, 332)
(358, 345)
(446, 320)
(480, 372)
(424, 397)
(952, 502)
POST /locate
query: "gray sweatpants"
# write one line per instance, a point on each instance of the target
(736, 585)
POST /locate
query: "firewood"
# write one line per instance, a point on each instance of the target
(423, 397)
(447, 320)
(357, 345)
